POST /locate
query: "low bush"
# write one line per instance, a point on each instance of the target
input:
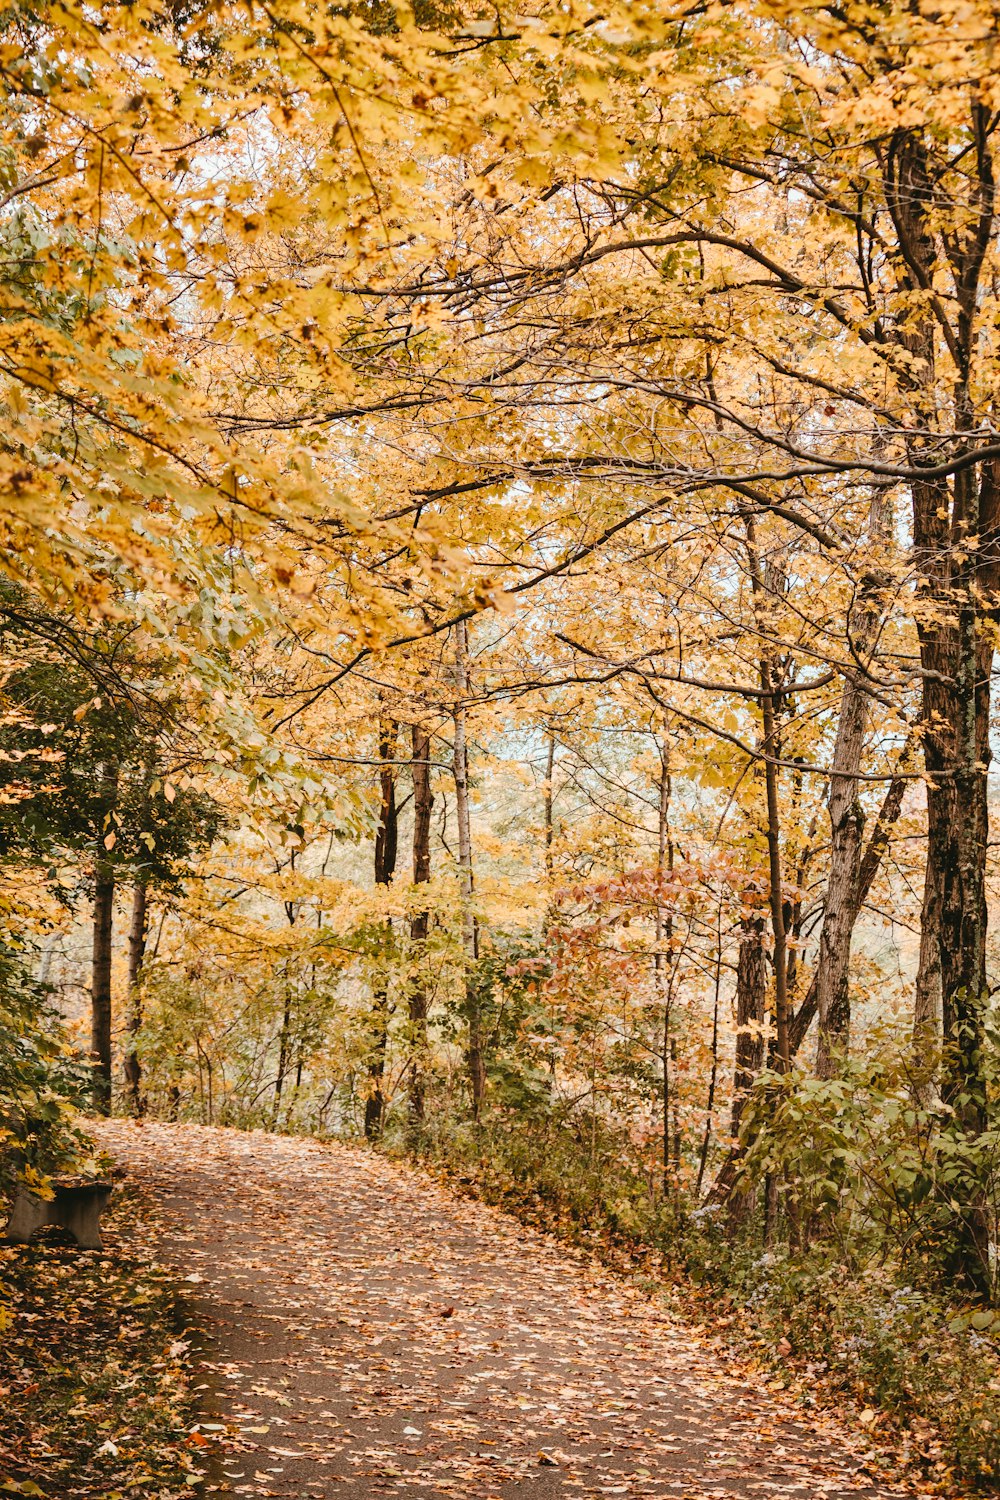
(924, 1367)
(41, 1086)
(97, 1403)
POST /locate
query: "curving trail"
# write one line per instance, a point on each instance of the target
(365, 1333)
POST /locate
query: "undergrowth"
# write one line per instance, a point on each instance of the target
(93, 1392)
(926, 1382)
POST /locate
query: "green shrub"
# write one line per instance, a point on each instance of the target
(891, 1345)
(41, 1088)
(841, 1299)
(873, 1165)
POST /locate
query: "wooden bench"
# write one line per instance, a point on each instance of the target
(76, 1207)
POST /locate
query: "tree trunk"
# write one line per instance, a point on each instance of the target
(420, 921)
(954, 545)
(550, 830)
(869, 867)
(779, 950)
(100, 990)
(771, 751)
(550, 766)
(846, 829)
(136, 952)
(284, 1040)
(847, 823)
(927, 992)
(751, 1011)
(386, 842)
(751, 1015)
(706, 1139)
(953, 942)
(663, 957)
(285, 1035)
(470, 930)
(750, 977)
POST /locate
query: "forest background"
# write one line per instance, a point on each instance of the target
(500, 519)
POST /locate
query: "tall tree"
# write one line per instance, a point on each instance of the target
(470, 927)
(131, 1066)
(423, 802)
(386, 843)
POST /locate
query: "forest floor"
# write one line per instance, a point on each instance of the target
(365, 1332)
(95, 1384)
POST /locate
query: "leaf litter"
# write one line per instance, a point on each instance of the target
(94, 1393)
(366, 1332)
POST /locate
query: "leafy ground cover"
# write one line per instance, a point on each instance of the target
(93, 1387)
(367, 1331)
(923, 1381)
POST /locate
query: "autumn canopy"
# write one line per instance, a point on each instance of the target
(501, 564)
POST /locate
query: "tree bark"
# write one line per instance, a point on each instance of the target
(470, 929)
(750, 978)
(103, 935)
(847, 823)
(663, 958)
(954, 543)
(706, 1139)
(953, 937)
(386, 843)
(779, 951)
(751, 1014)
(550, 766)
(548, 808)
(100, 989)
(871, 863)
(423, 802)
(285, 1036)
(751, 1011)
(770, 751)
(927, 991)
(136, 952)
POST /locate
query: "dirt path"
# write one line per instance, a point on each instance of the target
(366, 1334)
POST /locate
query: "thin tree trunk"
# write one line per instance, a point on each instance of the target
(283, 1049)
(470, 932)
(751, 1014)
(662, 957)
(780, 956)
(795, 913)
(285, 1037)
(103, 935)
(549, 815)
(375, 1102)
(713, 1077)
(750, 979)
(927, 994)
(954, 545)
(550, 904)
(771, 750)
(550, 766)
(100, 990)
(423, 802)
(386, 843)
(136, 952)
(847, 823)
(871, 863)
(751, 1009)
(846, 828)
(927, 1007)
